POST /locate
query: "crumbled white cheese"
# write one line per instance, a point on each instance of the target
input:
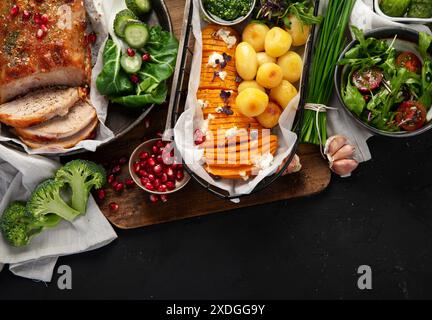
(220, 109)
(232, 132)
(224, 35)
(211, 117)
(215, 59)
(244, 175)
(204, 126)
(222, 75)
(263, 162)
(203, 103)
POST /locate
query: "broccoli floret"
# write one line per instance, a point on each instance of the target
(81, 176)
(19, 227)
(46, 199)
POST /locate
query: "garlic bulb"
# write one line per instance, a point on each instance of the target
(340, 155)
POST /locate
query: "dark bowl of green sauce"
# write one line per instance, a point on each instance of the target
(227, 12)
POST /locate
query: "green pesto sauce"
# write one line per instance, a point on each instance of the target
(228, 10)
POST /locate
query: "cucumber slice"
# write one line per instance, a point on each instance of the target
(139, 7)
(131, 64)
(136, 34)
(121, 19)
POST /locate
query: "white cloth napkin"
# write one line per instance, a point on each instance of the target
(339, 122)
(19, 175)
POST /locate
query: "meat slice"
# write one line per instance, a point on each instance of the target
(65, 143)
(60, 57)
(39, 106)
(78, 118)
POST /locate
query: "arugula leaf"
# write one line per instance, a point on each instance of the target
(113, 81)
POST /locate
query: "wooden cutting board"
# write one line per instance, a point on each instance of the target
(135, 209)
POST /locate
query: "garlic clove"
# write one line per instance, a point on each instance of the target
(333, 144)
(344, 167)
(346, 152)
(293, 167)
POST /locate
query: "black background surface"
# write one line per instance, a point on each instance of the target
(305, 248)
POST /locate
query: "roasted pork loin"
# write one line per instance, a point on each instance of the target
(35, 54)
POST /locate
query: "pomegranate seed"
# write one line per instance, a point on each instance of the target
(143, 173)
(170, 173)
(179, 166)
(149, 186)
(144, 181)
(157, 183)
(146, 57)
(26, 15)
(162, 188)
(114, 184)
(129, 182)
(37, 18)
(159, 159)
(119, 187)
(14, 10)
(157, 169)
(199, 137)
(160, 144)
(136, 167)
(164, 177)
(101, 194)
(123, 160)
(130, 52)
(44, 19)
(155, 149)
(170, 185)
(154, 198)
(134, 78)
(151, 177)
(180, 175)
(116, 169)
(40, 34)
(151, 162)
(144, 155)
(111, 178)
(91, 38)
(164, 198)
(113, 206)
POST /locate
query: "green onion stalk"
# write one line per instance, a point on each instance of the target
(330, 43)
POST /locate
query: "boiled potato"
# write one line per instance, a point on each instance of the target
(283, 94)
(255, 34)
(277, 42)
(263, 57)
(292, 66)
(298, 31)
(246, 61)
(270, 117)
(269, 75)
(252, 102)
(250, 84)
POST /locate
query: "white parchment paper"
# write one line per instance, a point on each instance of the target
(192, 118)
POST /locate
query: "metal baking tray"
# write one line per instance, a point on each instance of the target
(179, 92)
(122, 119)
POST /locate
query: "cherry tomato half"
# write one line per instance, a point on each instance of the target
(409, 61)
(411, 115)
(368, 79)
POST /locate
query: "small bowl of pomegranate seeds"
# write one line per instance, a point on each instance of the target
(155, 168)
